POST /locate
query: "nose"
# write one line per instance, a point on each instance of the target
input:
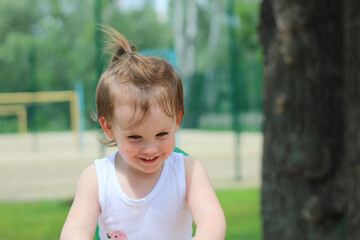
(150, 148)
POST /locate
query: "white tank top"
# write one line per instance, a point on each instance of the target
(162, 214)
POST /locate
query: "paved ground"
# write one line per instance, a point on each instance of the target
(48, 165)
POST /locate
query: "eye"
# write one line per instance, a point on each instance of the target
(134, 137)
(116, 236)
(162, 134)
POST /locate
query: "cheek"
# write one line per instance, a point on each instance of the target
(128, 149)
(169, 144)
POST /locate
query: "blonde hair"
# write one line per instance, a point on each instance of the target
(139, 81)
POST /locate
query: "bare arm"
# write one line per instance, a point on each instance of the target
(82, 219)
(203, 202)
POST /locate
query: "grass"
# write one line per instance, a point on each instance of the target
(44, 219)
(242, 212)
(36, 220)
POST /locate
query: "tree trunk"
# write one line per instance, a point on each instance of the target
(179, 36)
(190, 33)
(303, 175)
(185, 27)
(216, 13)
(352, 115)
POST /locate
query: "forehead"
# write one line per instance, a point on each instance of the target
(128, 118)
(137, 103)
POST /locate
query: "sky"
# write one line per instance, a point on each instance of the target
(160, 5)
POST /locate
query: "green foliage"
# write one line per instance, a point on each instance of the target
(17, 16)
(8, 124)
(248, 14)
(44, 220)
(152, 35)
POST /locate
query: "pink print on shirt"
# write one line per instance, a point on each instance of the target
(117, 235)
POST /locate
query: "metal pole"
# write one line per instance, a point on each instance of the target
(33, 88)
(97, 38)
(79, 88)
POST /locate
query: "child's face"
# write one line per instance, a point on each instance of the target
(145, 147)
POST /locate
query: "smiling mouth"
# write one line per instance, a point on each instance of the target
(149, 160)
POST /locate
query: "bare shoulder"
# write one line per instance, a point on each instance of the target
(89, 173)
(195, 171)
(88, 181)
(191, 162)
(86, 197)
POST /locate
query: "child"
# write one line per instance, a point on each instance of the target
(144, 190)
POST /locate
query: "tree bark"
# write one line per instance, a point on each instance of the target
(303, 175)
(352, 115)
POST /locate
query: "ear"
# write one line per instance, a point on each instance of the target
(180, 117)
(178, 121)
(107, 127)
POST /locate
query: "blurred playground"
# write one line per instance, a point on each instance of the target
(47, 165)
(47, 136)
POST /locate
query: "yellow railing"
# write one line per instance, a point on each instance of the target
(19, 111)
(14, 103)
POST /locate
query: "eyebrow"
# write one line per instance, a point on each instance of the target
(165, 129)
(131, 132)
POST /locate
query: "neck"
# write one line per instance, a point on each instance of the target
(134, 183)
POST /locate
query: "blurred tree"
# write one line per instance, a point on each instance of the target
(212, 56)
(141, 26)
(311, 133)
(185, 33)
(216, 12)
(185, 27)
(17, 20)
(250, 54)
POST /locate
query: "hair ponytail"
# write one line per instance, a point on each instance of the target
(117, 45)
